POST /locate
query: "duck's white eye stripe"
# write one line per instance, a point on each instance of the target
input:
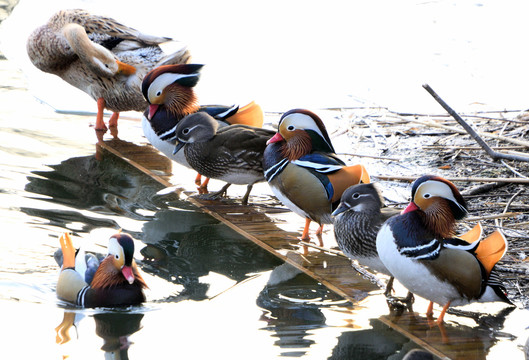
(160, 83)
(432, 188)
(113, 246)
(302, 121)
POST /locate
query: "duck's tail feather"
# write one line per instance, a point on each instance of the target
(250, 114)
(491, 250)
(68, 251)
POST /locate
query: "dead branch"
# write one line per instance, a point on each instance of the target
(455, 179)
(513, 170)
(493, 216)
(456, 130)
(493, 154)
(499, 221)
(480, 189)
(449, 147)
(512, 270)
(370, 156)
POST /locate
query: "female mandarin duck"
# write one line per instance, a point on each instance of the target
(116, 282)
(418, 247)
(169, 92)
(231, 153)
(303, 171)
(101, 57)
(357, 220)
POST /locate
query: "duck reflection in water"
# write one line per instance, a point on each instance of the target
(106, 187)
(184, 246)
(292, 305)
(113, 327)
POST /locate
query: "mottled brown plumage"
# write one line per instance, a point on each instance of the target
(231, 153)
(99, 56)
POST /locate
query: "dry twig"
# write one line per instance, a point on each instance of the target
(499, 221)
(467, 179)
(493, 154)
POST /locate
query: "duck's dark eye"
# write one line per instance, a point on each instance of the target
(116, 256)
(158, 93)
(290, 128)
(427, 196)
(356, 195)
(185, 131)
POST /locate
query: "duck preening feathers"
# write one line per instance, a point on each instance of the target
(100, 56)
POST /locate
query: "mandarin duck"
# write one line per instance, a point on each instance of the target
(232, 153)
(420, 250)
(115, 282)
(303, 170)
(100, 56)
(357, 220)
(170, 94)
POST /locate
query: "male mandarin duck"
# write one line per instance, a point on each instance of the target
(169, 91)
(101, 57)
(420, 250)
(357, 220)
(303, 170)
(116, 281)
(232, 153)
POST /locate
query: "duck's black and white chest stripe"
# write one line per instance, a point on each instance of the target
(162, 135)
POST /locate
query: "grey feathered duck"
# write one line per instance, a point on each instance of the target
(232, 153)
(357, 220)
(100, 56)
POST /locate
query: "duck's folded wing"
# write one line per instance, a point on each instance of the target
(105, 25)
(69, 285)
(322, 163)
(220, 112)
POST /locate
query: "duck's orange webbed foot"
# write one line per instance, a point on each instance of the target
(203, 188)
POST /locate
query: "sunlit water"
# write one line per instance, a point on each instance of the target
(212, 293)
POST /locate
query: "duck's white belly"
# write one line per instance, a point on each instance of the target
(414, 275)
(165, 147)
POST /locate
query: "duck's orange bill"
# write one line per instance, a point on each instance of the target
(125, 69)
(68, 251)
